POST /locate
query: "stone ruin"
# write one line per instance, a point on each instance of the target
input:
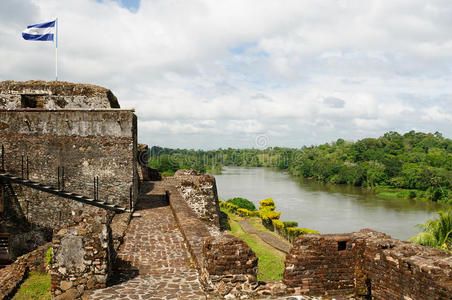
(367, 264)
(69, 179)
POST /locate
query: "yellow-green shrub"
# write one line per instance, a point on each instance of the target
(247, 213)
(267, 207)
(278, 227)
(229, 206)
(267, 202)
(267, 216)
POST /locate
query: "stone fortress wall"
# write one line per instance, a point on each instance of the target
(82, 128)
(45, 126)
(87, 144)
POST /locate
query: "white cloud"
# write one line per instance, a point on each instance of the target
(299, 72)
(245, 126)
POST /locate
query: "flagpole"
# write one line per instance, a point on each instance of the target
(56, 49)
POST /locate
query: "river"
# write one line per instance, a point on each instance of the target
(324, 207)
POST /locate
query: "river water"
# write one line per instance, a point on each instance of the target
(324, 207)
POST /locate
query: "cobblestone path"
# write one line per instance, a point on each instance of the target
(153, 262)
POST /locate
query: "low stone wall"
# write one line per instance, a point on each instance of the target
(192, 228)
(402, 270)
(13, 275)
(227, 255)
(367, 263)
(200, 192)
(82, 257)
(231, 265)
(321, 264)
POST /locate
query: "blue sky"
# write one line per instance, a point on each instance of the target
(131, 5)
(208, 74)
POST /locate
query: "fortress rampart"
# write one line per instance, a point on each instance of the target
(368, 264)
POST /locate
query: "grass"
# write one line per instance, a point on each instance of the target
(270, 260)
(36, 286)
(391, 192)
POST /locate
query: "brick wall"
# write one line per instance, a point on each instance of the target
(231, 266)
(321, 264)
(367, 263)
(402, 270)
(228, 255)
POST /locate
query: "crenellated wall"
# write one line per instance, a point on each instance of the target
(367, 263)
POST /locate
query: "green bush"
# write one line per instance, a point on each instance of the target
(412, 194)
(242, 203)
(437, 194)
(288, 224)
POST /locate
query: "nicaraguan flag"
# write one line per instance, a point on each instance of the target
(40, 32)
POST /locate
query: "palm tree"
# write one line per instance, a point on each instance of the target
(437, 232)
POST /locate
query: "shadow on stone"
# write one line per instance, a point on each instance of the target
(151, 201)
(123, 271)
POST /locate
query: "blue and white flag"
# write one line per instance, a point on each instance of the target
(40, 32)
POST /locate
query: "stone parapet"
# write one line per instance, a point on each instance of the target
(228, 255)
(369, 264)
(192, 228)
(56, 94)
(200, 192)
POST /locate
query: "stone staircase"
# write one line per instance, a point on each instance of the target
(61, 193)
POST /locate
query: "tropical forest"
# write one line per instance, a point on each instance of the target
(412, 165)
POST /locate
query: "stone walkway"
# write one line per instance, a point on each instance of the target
(153, 262)
(272, 240)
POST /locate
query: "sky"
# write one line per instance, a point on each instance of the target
(206, 74)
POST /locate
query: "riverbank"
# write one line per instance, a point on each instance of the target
(325, 207)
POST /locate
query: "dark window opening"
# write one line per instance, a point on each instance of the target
(31, 101)
(341, 245)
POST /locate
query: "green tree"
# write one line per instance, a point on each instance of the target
(242, 203)
(436, 232)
